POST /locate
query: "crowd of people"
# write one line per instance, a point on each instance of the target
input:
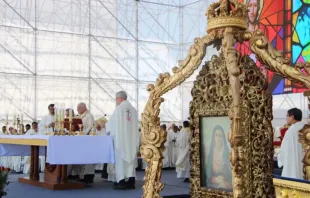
(123, 127)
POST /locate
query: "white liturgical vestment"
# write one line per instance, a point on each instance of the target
(172, 147)
(123, 127)
(291, 154)
(88, 121)
(46, 120)
(183, 161)
(102, 132)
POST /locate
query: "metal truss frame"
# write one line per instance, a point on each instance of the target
(133, 36)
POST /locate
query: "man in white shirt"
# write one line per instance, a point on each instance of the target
(123, 127)
(34, 129)
(291, 154)
(47, 123)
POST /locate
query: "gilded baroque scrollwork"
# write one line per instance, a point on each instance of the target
(232, 85)
(304, 139)
(291, 189)
(236, 137)
(213, 95)
(153, 137)
(274, 59)
(300, 72)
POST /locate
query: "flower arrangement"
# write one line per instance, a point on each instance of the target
(4, 174)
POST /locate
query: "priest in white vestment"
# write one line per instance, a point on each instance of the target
(123, 127)
(183, 160)
(86, 172)
(291, 153)
(172, 145)
(47, 123)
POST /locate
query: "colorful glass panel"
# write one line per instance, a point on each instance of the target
(269, 17)
(301, 36)
(286, 24)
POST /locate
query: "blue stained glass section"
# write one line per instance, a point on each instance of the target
(296, 52)
(296, 5)
(279, 89)
(303, 26)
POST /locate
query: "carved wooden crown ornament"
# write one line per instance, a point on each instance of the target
(227, 13)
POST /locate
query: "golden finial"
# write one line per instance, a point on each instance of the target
(227, 13)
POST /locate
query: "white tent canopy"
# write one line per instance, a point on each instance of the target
(73, 51)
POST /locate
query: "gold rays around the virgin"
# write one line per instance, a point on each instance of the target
(250, 112)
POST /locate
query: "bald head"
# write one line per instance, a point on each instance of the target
(81, 108)
(120, 97)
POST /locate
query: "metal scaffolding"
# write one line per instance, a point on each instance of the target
(86, 50)
(75, 51)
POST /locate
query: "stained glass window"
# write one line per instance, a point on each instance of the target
(286, 23)
(300, 45)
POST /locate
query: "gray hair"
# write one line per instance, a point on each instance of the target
(121, 94)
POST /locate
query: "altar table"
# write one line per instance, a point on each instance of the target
(60, 151)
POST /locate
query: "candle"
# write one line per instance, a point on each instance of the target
(21, 118)
(70, 115)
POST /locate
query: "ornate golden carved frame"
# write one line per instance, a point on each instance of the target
(234, 29)
(291, 189)
(252, 160)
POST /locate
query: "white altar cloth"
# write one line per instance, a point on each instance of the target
(65, 149)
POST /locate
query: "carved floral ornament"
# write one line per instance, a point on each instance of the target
(242, 97)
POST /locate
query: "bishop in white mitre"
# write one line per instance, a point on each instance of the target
(291, 154)
(183, 161)
(86, 172)
(47, 123)
(123, 127)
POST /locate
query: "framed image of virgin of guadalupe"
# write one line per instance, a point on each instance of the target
(216, 171)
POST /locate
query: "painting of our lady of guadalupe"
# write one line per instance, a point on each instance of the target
(215, 149)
